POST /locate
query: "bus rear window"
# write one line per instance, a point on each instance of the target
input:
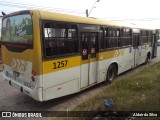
(17, 32)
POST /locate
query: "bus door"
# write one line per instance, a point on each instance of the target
(89, 64)
(154, 46)
(136, 43)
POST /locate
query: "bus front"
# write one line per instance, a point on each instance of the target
(19, 53)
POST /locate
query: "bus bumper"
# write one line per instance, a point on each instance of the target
(35, 93)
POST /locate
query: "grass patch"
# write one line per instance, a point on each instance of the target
(140, 92)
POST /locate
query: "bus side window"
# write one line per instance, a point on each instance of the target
(144, 38)
(112, 37)
(149, 36)
(102, 40)
(125, 38)
(60, 39)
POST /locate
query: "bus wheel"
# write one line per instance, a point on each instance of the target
(111, 73)
(147, 58)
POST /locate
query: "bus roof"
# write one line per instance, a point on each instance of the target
(87, 20)
(45, 15)
(75, 19)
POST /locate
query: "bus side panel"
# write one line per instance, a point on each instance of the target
(84, 75)
(61, 81)
(103, 66)
(144, 49)
(122, 57)
(37, 55)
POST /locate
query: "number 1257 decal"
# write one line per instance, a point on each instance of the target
(60, 64)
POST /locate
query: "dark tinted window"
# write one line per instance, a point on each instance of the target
(102, 40)
(60, 39)
(150, 36)
(125, 37)
(112, 35)
(144, 38)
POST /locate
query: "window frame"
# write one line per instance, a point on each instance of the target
(144, 37)
(149, 36)
(18, 47)
(102, 39)
(114, 37)
(45, 57)
(125, 37)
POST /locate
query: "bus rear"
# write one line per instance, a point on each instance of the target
(18, 53)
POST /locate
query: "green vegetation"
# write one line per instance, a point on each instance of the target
(139, 92)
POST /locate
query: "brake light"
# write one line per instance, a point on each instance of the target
(33, 72)
(33, 75)
(33, 79)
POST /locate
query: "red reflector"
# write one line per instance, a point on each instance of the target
(33, 72)
(33, 79)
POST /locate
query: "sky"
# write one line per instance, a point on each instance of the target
(145, 12)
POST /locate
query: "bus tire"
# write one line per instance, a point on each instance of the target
(147, 58)
(111, 73)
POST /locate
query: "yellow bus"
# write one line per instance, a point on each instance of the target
(49, 55)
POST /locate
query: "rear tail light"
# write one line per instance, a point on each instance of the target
(33, 72)
(33, 79)
(33, 75)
